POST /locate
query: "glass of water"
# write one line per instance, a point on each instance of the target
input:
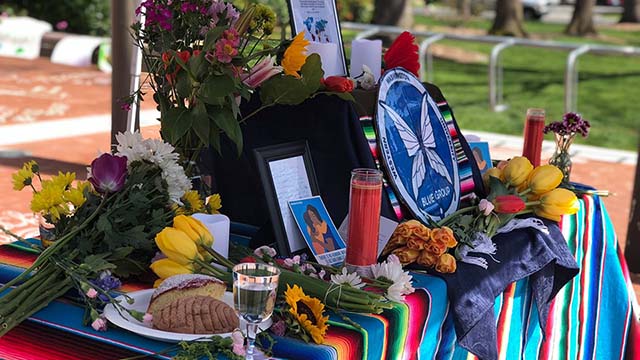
(254, 296)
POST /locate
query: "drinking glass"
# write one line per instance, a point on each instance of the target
(254, 296)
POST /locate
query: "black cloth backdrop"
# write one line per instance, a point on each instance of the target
(332, 129)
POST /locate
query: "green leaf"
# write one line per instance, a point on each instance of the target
(198, 65)
(214, 90)
(211, 37)
(225, 120)
(289, 90)
(201, 122)
(214, 137)
(342, 95)
(183, 85)
(497, 188)
(183, 125)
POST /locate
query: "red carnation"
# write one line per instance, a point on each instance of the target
(337, 84)
(403, 53)
(247, 259)
(508, 204)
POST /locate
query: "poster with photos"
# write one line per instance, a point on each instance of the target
(319, 20)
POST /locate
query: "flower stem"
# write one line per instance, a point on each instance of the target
(458, 212)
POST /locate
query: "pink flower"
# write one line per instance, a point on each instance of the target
(238, 343)
(99, 324)
(486, 207)
(232, 36)
(289, 262)
(62, 25)
(225, 51)
(92, 293)
(147, 319)
(265, 250)
(261, 72)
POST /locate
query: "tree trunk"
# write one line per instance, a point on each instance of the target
(582, 20)
(631, 11)
(393, 12)
(464, 8)
(509, 18)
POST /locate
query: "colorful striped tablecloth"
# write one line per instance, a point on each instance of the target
(593, 317)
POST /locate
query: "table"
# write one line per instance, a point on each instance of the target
(595, 316)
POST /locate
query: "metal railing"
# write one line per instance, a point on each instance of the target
(495, 65)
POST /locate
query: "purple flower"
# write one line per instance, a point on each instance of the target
(108, 173)
(278, 328)
(570, 125)
(106, 282)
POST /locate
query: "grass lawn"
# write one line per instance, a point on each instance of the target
(607, 92)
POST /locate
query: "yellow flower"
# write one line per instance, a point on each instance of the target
(214, 204)
(50, 201)
(544, 179)
(556, 203)
(308, 312)
(192, 202)
(194, 229)
(74, 196)
(493, 172)
(24, 176)
(63, 180)
(446, 264)
(165, 268)
(517, 171)
(177, 246)
(295, 55)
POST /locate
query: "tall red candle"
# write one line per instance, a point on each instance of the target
(534, 125)
(364, 217)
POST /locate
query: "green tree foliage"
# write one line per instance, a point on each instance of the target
(90, 17)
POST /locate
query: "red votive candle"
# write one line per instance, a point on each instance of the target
(364, 217)
(533, 135)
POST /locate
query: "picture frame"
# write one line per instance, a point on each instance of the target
(304, 15)
(286, 173)
(481, 155)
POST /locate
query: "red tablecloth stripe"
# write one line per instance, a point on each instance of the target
(32, 341)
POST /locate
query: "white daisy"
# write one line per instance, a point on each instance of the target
(345, 278)
(391, 270)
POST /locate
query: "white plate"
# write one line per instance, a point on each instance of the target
(141, 303)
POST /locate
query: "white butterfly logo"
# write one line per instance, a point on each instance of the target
(419, 145)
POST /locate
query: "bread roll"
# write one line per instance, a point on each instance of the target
(185, 285)
(196, 315)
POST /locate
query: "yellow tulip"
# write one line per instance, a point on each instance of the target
(177, 246)
(517, 171)
(165, 268)
(493, 172)
(194, 229)
(556, 203)
(544, 179)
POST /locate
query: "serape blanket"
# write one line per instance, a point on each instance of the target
(595, 316)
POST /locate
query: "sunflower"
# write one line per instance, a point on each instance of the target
(307, 311)
(295, 55)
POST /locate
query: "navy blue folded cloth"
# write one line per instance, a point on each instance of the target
(472, 291)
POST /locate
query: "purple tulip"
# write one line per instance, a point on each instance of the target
(108, 173)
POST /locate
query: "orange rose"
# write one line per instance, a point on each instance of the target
(444, 235)
(416, 243)
(446, 264)
(406, 255)
(337, 84)
(436, 247)
(427, 258)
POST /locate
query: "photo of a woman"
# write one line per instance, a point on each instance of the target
(322, 239)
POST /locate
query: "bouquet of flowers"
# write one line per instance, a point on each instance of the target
(205, 56)
(516, 188)
(102, 228)
(565, 132)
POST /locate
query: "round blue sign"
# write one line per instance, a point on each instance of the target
(417, 148)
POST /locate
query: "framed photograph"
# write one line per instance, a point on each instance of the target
(286, 172)
(319, 19)
(480, 150)
(318, 230)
